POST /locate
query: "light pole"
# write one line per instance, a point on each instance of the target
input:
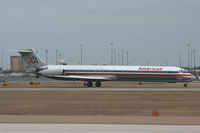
(60, 56)
(180, 60)
(194, 54)
(194, 62)
(2, 60)
(115, 57)
(119, 59)
(46, 52)
(81, 53)
(188, 56)
(60, 62)
(122, 57)
(127, 57)
(182, 63)
(56, 56)
(111, 44)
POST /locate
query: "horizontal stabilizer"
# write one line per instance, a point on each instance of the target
(21, 50)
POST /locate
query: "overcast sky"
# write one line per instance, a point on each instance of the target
(153, 31)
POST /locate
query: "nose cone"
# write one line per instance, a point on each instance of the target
(192, 78)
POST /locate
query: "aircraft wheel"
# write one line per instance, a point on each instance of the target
(185, 85)
(36, 76)
(89, 84)
(98, 84)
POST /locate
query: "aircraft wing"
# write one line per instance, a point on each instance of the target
(85, 77)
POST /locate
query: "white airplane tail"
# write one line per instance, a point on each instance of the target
(31, 59)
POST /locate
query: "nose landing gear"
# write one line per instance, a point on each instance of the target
(185, 85)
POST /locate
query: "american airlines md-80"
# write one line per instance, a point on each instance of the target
(98, 74)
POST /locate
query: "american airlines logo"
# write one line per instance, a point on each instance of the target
(150, 69)
(33, 60)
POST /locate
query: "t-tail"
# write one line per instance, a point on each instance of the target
(33, 62)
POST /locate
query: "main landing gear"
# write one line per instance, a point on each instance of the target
(98, 84)
(90, 84)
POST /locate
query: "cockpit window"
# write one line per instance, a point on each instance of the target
(183, 71)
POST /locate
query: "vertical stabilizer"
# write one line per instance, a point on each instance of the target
(31, 59)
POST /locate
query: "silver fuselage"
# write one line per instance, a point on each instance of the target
(119, 73)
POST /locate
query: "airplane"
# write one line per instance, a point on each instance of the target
(98, 74)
